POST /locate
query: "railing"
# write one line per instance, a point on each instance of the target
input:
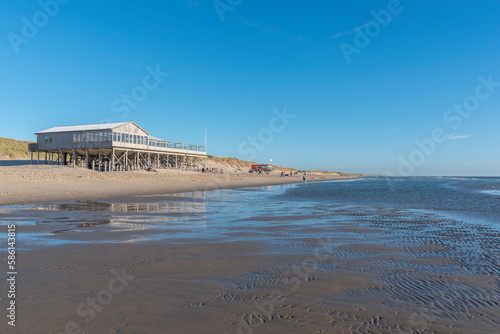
(153, 143)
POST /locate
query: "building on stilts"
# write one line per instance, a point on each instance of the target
(113, 147)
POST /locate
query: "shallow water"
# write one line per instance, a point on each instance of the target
(224, 214)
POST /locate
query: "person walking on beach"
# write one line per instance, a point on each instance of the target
(304, 178)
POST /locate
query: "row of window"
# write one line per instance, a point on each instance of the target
(91, 137)
(130, 138)
(99, 136)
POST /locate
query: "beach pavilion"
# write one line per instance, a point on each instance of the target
(113, 147)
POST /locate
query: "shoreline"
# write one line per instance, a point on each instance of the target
(39, 184)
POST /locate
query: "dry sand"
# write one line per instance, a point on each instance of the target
(37, 184)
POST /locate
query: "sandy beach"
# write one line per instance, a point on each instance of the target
(133, 252)
(35, 184)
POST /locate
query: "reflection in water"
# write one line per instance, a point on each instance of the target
(202, 214)
(98, 221)
(95, 206)
(253, 212)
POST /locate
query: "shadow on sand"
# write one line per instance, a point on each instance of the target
(18, 162)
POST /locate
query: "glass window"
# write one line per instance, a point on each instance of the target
(79, 138)
(135, 139)
(83, 137)
(114, 136)
(101, 136)
(105, 136)
(74, 138)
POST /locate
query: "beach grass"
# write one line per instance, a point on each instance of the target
(14, 149)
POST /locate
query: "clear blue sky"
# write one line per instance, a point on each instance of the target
(227, 76)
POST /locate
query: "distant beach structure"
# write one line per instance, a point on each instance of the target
(113, 147)
(262, 168)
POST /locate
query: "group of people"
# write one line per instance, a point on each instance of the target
(289, 173)
(304, 178)
(260, 171)
(212, 170)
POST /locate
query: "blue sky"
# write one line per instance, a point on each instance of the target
(352, 111)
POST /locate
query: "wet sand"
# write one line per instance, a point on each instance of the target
(179, 264)
(37, 184)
